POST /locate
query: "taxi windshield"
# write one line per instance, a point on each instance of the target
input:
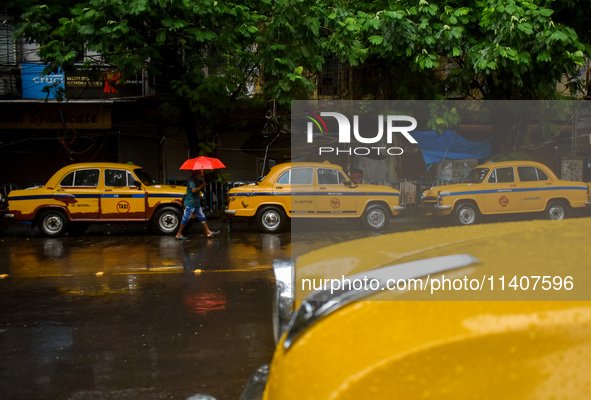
(477, 175)
(144, 177)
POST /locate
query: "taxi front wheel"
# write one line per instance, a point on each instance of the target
(374, 217)
(271, 219)
(466, 214)
(53, 223)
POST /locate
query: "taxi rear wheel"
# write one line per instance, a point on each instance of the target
(374, 217)
(53, 223)
(167, 221)
(556, 210)
(271, 219)
(466, 214)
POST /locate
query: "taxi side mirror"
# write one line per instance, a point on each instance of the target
(348, 183)
(137, 184)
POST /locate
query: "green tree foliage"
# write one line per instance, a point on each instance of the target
(492, 50)
(205, 53)
(504, 49)
(496, 49)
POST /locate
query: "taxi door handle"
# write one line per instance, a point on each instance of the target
(279, 187)
(513, 185)
(321, 188)
(108, 190)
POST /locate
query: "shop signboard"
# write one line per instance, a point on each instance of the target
(37, 85)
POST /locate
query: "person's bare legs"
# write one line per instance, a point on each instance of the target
(208, 231)
(180, 232)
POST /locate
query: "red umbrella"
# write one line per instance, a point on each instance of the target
(202, 163)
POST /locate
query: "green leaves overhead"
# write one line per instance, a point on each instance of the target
(376, 40)
(493, 49)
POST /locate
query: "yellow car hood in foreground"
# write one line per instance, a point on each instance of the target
(427, 349)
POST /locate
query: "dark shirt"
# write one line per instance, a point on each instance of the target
(193, 199)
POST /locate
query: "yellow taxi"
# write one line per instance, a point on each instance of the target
(312, 190)
(509, 317)
(80, 194)
(505, 188)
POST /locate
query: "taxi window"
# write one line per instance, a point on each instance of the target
(68, 180)
(493, 177)
(302, 176)
(477, 175)
(505, 175)
(86, 177)
(531, 174)
(502, 175)
(527, 174)
(116, 177)
(131, 179)
(144, 177)
(328, 176)
(297, 176)
(83, 177)
(284, 178)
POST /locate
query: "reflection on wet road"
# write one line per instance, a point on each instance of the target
(121, 314)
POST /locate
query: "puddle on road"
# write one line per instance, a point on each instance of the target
(67, 256)
(173, 334)
(108, 316)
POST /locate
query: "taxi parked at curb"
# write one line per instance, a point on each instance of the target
(505, 338)
(312, 190)
(506, 187)
(80, 194)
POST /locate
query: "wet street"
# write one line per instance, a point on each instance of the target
(120, 313)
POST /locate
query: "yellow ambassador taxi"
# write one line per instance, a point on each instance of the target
(504, 188)
(512, 321)
(312, 190)
(80, 194)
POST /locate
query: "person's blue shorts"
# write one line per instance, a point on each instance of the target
(190, 211)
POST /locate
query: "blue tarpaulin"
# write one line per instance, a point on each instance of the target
(449, 146)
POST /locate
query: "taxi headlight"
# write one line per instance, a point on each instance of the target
(440, 196)
(283, 270)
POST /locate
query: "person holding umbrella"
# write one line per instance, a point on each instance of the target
(192, 201)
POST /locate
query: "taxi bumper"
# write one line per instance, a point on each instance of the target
(430, 208)
(436, 207)
(442, 210)
(255, 387)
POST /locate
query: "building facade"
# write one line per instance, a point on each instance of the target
(51, 119)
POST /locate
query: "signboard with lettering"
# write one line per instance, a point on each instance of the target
(39, 86)
(99, 83)
(55, 116)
